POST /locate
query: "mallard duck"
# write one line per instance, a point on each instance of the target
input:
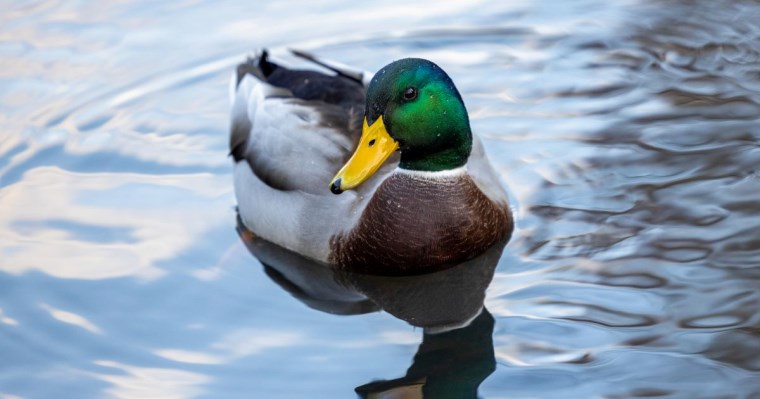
(415, 191)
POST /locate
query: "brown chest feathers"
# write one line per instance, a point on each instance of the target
(413, 225)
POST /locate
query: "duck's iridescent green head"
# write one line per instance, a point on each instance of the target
(423, 112)
(412, 106)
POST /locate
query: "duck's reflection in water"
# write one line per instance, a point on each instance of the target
(456, 353)
(449, 364)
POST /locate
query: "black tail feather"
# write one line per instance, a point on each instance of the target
(258, 66)
(266, 67)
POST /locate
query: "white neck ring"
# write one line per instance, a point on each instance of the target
(437, 175)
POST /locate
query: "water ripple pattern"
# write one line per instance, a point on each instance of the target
(626, 132)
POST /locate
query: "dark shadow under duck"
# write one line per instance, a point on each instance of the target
(456, 353)
(436, 301)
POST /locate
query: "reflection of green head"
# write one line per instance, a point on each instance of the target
(422, 110)
(449, 365)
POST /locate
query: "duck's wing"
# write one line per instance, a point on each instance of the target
(295, 128)
(291, 130)
(483, 173)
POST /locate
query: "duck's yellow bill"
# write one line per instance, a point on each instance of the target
(375, 146)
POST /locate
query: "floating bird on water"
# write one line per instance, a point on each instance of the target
(416, 191)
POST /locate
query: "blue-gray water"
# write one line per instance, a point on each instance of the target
(626, 132)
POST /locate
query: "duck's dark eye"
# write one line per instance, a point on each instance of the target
(410, 93)
(371, 143)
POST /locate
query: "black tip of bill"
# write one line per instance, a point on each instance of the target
(335, 187)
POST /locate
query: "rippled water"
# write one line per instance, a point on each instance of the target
(626, 132)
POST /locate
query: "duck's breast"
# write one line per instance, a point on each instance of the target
(414, 223)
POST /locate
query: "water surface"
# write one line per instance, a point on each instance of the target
(626, 133)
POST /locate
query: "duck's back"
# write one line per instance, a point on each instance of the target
(294, 127)
(291, 130)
